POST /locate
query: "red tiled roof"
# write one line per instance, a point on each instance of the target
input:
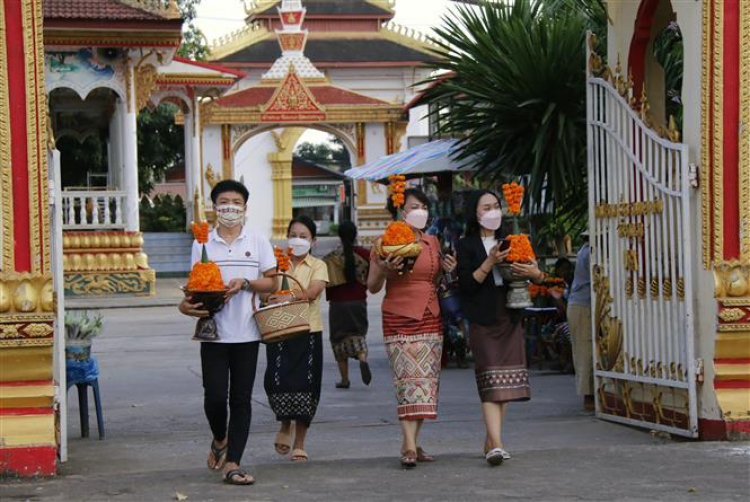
(97, 9)
(211, 66)
(254, 96)
(324, 95)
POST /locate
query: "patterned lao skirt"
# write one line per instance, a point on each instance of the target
(414, 350)
(500, 357)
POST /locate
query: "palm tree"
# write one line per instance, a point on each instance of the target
(517, 96)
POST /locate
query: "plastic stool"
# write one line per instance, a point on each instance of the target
(83, 405)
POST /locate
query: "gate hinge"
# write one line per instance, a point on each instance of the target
(693, 175)
(699, 370)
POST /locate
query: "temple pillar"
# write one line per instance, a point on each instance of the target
(130, 160)
(189, 180)
(28, 443)
(281, 175)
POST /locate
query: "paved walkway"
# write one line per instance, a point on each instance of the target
(157, 439)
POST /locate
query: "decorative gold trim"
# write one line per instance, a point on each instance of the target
(744, 135)
(145, 83)
(333, 114)
(718, 131)
(733, 314)
(188, 79)
(93, 38)
(732, 279)
(706, 127)
(6, 183)
(27, 342)
(732, 328)
(735, 302)
(226, 152)
(141, 283)
(45, 141)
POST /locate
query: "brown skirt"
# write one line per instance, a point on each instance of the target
(500, 357)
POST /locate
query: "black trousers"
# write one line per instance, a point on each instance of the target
(229, 374)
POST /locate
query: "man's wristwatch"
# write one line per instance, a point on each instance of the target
(246, 286)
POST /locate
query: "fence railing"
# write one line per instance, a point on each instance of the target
(93, 210)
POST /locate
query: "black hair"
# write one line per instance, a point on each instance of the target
(409, 192)
(305, 220)
(564, 268)
(472, 222)
(229, 186)
(348, 234)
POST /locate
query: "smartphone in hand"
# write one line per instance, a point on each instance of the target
(504, 245)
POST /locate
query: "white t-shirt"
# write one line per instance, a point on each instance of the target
(248, 257)
(489, 243)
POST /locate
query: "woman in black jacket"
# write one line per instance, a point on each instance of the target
(496, 333)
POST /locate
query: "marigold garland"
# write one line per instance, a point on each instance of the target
(205, 275)
(397, 188)
(513, 193)
(200, 232)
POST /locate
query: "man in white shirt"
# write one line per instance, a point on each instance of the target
(228, 364)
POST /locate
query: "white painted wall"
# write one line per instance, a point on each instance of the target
(211, 155)
(375, 148)
(251, 163)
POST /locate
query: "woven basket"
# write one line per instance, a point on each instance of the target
(285, 320)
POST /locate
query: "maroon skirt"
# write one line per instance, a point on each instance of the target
(500, 357)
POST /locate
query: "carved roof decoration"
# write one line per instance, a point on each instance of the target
(359, 8)
(119, 10)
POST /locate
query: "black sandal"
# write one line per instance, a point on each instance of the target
(409, 459)
(364, 370)
(219, 455)
(229, 478)
(343, 385)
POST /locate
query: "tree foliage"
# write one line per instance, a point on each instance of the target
(193, 44)
(161, 145)
(333, 155)
(517, 95)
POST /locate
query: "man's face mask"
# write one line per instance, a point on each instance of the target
(230, 215)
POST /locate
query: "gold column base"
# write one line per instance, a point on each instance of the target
(106, 263)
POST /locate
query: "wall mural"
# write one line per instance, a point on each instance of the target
(84, 70)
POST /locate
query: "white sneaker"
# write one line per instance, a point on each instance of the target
(505, 454)
(494, 456)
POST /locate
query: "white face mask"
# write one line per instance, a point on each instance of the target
(300, 247)
(230, 215)
(417, 218)
(491, 220)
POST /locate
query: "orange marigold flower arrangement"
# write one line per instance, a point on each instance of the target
(283, 264)
(520, 246)
(205, 275)
(398, 233)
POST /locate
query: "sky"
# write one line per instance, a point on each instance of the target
(220, 17)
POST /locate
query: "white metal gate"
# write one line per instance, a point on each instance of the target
(642, 305)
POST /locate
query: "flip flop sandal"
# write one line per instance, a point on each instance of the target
(409, 459)
(219, 455)
(283, 440)
(245, 478)
(299, 455)
(424, 457)
(494, 457)
(364, 370)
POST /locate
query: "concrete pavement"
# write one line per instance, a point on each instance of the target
(157, 439)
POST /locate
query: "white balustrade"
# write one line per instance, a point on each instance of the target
(93, 210)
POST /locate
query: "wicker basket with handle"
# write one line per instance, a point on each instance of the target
(284, 320)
